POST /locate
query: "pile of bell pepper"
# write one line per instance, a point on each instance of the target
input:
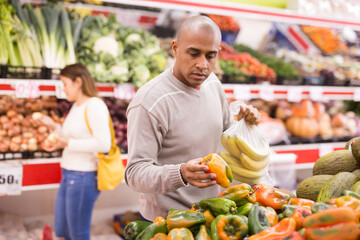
(256, 213)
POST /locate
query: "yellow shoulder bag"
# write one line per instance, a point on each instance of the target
(111, 169)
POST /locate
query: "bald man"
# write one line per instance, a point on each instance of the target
(175, 120)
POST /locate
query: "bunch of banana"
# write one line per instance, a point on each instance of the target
(247, 165)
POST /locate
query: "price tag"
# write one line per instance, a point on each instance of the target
(27, 89)
(10, 178)
(356, 96)
(124, 91)
(242, 92)
(59, 87)
(316, 94)
(266, 93)
(294, 94)
(325, 149)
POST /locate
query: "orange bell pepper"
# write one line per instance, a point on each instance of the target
(209, 218)
(271, 215)
(159, 236)
(240, 193)
(218, 166)
(270, 196)
(180, 234)
(299, 215)
(349, 201)
(301, 202)
(281, 230)
(339, 231)
(330, 216)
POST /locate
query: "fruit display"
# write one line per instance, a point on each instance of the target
(233, 62)
(19, 129)
(225, 23)
(258, 212)
(325, 39)
(306, 121)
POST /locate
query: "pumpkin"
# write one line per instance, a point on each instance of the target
(304, 108)
(302, 127)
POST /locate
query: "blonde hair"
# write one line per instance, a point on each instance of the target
(78, 70)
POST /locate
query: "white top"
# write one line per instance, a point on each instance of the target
(80, 154)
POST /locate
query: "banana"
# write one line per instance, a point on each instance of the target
(230, 145)
(246, 180)
(238, 168)
(242, 145)
(251, 164)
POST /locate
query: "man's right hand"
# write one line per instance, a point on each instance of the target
(194, 173)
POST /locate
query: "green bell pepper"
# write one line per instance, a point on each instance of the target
(257, 220)
(244, 209)
(319, 206)
(185, 219)
(229, 227)
(350, 193)
(217, 205)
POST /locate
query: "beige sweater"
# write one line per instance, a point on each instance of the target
(169, 124)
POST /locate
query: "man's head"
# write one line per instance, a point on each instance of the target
(195, 50)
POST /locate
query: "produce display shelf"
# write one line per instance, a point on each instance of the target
(238, 91)
(46, 173)
(292, 93)
(247, 11)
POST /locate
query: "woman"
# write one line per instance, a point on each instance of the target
(78, 187)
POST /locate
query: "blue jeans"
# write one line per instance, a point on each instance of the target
(74, 204)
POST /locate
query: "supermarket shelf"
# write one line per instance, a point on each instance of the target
(54, 88)
(238, 91)
(245, 11)
(292, 93)
(46, 173)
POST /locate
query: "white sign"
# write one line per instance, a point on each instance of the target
(10, 178)
(294, 94)
(316, 94)
(59, 88)
(242, 92)
(124, 91)
(27, 89)
(356, 96)
(266, 92)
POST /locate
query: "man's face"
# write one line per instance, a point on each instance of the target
(196, 55)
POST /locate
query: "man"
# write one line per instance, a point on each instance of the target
(175, 120)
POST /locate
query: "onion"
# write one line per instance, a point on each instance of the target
(14, 147)
(26, 122)
(37, 115)
(23, 147)
(27, 135)
(7, 125)
(15, 130)
(16, 139)
(52, 138)
(42, 129)
(11, 114)
(3, 133)
(4, 119)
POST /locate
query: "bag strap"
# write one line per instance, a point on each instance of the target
(112, 131)
(87, 120)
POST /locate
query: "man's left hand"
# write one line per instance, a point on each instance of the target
(250, 114)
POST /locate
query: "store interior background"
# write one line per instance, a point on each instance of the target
(39, 204)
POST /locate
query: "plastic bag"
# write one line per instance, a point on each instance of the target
(246, 151)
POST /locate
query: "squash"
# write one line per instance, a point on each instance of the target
(304, 108)
(302, 127)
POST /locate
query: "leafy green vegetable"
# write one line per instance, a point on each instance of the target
(115, 53)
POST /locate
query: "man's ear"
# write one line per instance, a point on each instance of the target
(174, 47)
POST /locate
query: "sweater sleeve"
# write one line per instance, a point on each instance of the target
(98, 117)
(142, 173)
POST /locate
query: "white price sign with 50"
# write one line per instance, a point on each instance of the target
(10, 178)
